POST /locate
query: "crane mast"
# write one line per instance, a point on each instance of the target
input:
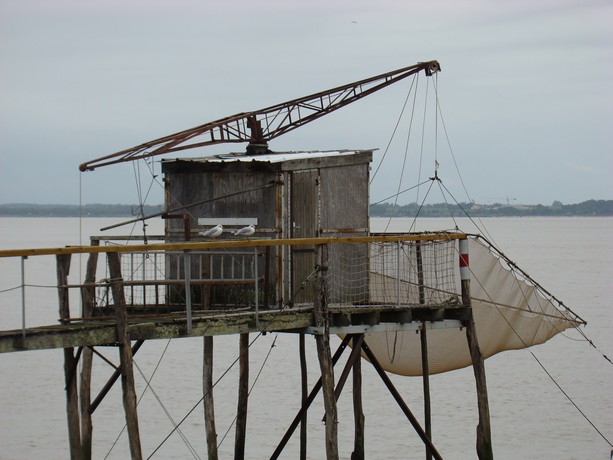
(261, 126)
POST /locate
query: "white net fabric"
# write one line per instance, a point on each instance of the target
(510, 313)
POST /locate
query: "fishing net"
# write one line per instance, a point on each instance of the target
(510, 310)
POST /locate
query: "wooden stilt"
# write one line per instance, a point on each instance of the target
(358, 412)
(72, 397)
(325, 360)
(390, 386)
(208, 401)
(424, 348)
(125, 355)
(484, 436)
(309, 400)
(111, 381)
(304, 382)
(243, 397)
(88, 294)
(425, 370)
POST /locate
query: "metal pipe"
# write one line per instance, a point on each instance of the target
(23, 296)
(255, 273)
(398, 273)
(188, 288)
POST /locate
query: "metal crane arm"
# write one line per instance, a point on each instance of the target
(260, 126)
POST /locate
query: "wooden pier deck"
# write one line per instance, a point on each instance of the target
(343, 319)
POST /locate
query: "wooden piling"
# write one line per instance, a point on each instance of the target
(125, 355)
(208, 400)
(358, 412)
(307, 404)
(325, 360)
(407, 412)
(304, 390)
(484, 435)
(88, 294)
(243, 398)
(70, 362)
(425, 371)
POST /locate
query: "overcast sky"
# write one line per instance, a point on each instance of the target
(525, 89)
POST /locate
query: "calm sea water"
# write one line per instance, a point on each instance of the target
(531, 418)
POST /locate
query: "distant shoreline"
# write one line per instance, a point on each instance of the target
(588, 208)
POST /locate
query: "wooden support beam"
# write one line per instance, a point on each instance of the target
(125, 355)
(320, 314)
(309, 400)
(110, 382)
(358, 412)
(70, 362)
(88, 295)
(484, 435)
(353, 357)
(208, 400)
(425, 371)
(392, 389)
(243, 398)
(304, 382)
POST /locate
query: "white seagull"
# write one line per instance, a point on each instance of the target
(245, 231)
(213, 232)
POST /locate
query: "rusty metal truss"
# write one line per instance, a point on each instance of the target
(260, 126)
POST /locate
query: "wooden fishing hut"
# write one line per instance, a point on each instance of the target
(285, 195)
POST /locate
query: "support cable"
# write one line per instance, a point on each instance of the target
(415, 78)
(141, 396)
(250, 389)
(423, 135)
(400, 193)
(421, 206)
(406, 153)
(185, 440)
(201, 399)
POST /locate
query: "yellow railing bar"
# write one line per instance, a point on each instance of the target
(195, 245)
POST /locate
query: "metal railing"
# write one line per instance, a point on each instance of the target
(160, 274)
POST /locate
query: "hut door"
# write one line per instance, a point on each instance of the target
(304, 224)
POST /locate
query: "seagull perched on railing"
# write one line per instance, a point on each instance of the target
(245, 231)
(213, 232)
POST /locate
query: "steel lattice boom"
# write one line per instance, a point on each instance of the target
(260, 126)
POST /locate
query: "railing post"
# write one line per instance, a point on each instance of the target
(23, 296)
(398, 273)
(257, 300)
(187, 265)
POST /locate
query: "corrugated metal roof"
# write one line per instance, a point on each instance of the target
(272, 157)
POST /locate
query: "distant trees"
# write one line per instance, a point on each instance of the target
(586, 208)
(68, 210)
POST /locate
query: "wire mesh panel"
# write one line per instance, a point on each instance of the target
(393, 273)
(141, 267)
